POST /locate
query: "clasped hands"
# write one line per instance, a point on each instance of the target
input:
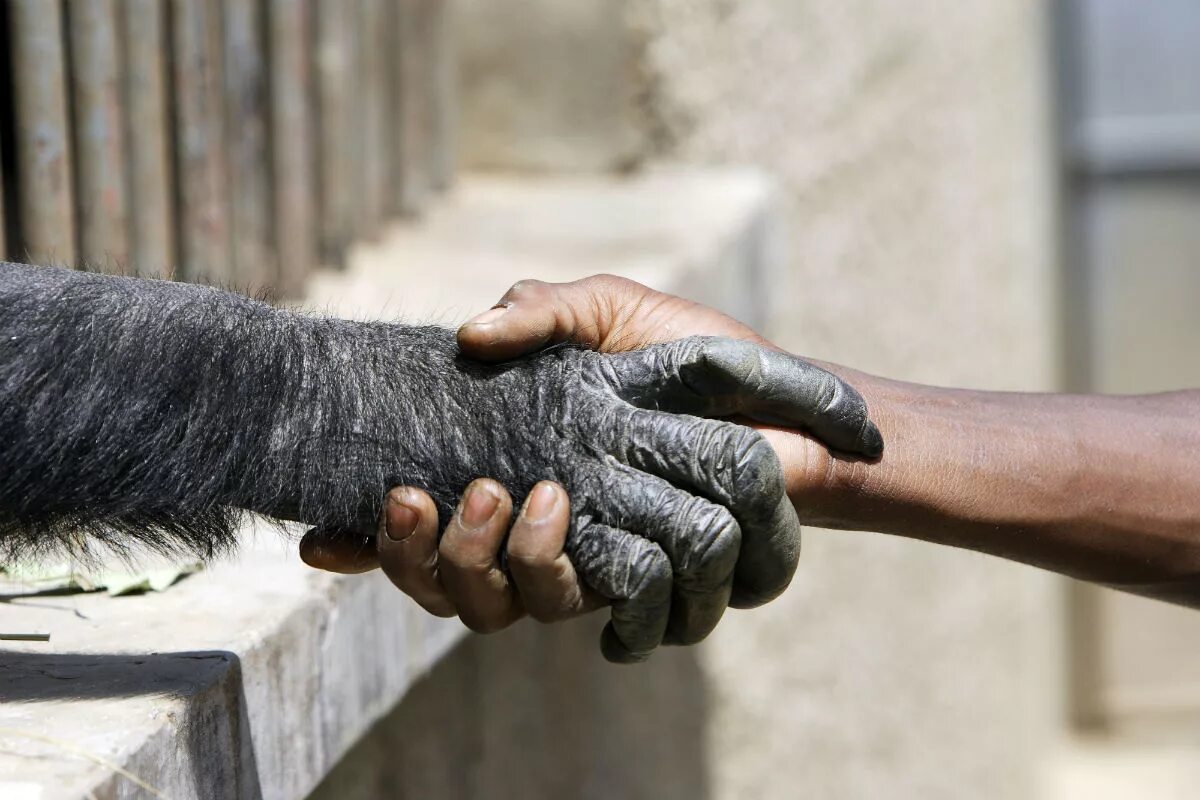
(491, 569)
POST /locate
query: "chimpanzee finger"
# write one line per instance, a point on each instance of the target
(733, 466)
(407, 543)
(700, 540)
(469, 559)
(713, 376)
(336, 550)
(636, 576)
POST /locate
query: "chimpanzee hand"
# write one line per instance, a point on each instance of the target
(672, 515)
(148, 413)
(462, 574)
(658, 496)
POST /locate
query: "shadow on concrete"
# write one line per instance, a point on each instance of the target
(214, 722)
(535, 712)
(34, 677)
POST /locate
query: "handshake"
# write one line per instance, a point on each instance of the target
(661, 454)
(654, 413)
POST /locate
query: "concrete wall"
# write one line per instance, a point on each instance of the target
(911, 144)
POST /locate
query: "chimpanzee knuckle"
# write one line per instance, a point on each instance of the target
(759, 474)
(650, 575)
(723, 367)
(616, 650)
(766, 570)
(710, 550)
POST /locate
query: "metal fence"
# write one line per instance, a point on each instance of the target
(237, 142)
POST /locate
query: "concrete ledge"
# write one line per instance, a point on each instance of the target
(253, 678)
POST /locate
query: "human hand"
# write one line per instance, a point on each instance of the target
(615, 314)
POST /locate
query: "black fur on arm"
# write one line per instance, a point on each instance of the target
(150, 412)
(141, 412)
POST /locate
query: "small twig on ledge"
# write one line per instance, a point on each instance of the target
(88, 754)
(24, 637)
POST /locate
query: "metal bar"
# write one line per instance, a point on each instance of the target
(100, 193)
(372, 160)
(355, 139)
(333, 125)
(46, 213)
(395, 19)
(293, 147)
(148, 134)
(3, 218)
(251, 218)
(443, 95)
(1135, 145)
(412, 127)
(204, 233)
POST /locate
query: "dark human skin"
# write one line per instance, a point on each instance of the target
(1101, 488)
(148, 412)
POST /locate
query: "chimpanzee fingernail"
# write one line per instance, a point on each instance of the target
(401, 520)
(541, 503)
(491, 315)
(479, 505)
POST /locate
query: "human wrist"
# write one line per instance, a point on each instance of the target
(903, 492)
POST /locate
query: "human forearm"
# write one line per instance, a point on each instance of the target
(1098, 487)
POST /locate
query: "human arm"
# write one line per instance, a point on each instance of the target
(1101, 488)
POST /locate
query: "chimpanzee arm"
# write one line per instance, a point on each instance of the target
(147, 412)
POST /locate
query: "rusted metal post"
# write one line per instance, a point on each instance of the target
(43, 140)
(356, 137)
(244, 70)
(335, 58)
(372, 161)
(443, 96)
(100, 192)
(411, 176)
(204, 233)
(293, 149)
(148, 135)
(3, 219)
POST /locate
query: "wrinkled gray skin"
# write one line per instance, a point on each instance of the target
(136, 411)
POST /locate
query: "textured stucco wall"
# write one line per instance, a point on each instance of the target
(912, 144)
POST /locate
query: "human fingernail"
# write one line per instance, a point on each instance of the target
(491, 315)
(479, 505)
(401, 520)
(541, 503)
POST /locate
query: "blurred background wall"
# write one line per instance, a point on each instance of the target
(999, 194)
(912, 152)
(913, 147)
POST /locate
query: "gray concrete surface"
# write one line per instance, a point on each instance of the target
(912, 145)
(248, 680)
(254, 678)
